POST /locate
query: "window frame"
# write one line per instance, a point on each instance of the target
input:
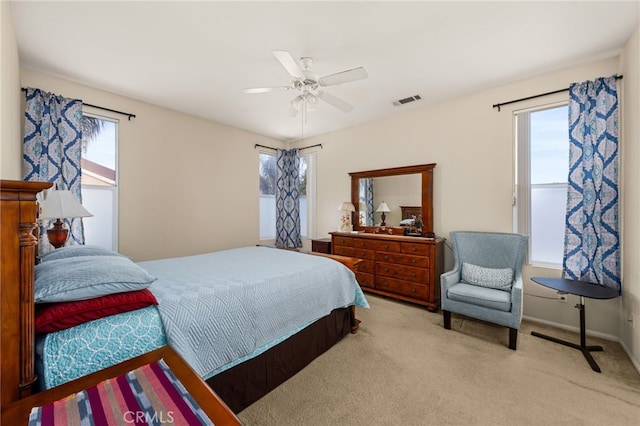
(114, 188)
(310, 232)
(522, 187)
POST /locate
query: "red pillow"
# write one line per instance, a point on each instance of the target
(50, 317)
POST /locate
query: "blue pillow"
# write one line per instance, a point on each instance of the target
(87, 277)
(78, 250)
(500, 279)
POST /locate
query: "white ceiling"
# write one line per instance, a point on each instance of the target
(196, 57)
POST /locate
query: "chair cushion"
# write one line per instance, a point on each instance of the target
(481, 296)
(500, 279)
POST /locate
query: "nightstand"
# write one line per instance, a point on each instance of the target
(322, 245)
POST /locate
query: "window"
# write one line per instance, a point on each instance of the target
(267, 195)
(99, 180)
(542, 146)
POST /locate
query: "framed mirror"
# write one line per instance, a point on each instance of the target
(393, 192)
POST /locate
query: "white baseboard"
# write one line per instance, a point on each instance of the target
(606, 336)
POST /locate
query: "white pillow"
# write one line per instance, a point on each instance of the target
(500, 279)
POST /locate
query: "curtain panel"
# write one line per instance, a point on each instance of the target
(52, 150)
(366, 197)
(288, 199)
(592, 235)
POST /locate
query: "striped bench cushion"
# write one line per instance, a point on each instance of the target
(150, 394)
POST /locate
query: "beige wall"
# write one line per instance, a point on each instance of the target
(187, 185)
(10, 112)
(630, 66)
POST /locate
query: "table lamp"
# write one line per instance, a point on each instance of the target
(60, 204)
(383, 208)
(345, 220)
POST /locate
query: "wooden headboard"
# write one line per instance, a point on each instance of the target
(408, 212)
(19, 247)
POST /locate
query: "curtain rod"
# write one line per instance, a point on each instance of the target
(275, 149)
(618, 77)
(129, 115)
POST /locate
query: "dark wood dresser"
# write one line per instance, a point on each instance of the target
(401, 267)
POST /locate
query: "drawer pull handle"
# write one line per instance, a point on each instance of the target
(386, 246)
(386, 269)
(414, 249)
(413, 261)
(386, 258)
(413, 290)
(413, 274)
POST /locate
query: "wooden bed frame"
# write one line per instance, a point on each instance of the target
(238, 387)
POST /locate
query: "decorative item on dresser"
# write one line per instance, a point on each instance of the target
(404, 268)
(383, 208)
(347, 209)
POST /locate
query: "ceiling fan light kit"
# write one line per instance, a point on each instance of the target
(309, 85)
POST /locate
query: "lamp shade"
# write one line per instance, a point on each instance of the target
(383, 207)
(59, 204)
(346, 206)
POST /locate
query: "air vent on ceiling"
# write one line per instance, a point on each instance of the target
(407, 100)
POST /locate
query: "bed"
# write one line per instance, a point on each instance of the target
(243, 331)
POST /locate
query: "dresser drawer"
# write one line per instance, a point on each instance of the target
(407, 273)
(343, 250)
(387, 246)
(403, 259)
(417, 291)
(343, 241)
(367, 267)
(365, 280)
(363, 253)
(415, 248)
(364, 243)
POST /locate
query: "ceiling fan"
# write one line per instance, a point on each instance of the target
(309, 85)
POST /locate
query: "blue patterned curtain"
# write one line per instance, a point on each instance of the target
(52, 149)
(287, 199)
(366, 196)
(592, 236)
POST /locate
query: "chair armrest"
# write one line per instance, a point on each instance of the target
(448, 279)
(516, 296)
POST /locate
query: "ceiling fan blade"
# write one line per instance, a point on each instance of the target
(291, 65)
(344, 77)
(342, 105)
(264, 89)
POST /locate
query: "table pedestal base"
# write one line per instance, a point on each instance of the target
(582, 347)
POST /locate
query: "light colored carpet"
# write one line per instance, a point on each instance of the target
(404, 368)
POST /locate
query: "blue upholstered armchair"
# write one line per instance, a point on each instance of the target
(486, 280)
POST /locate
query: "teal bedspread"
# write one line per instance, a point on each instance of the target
(220, 307)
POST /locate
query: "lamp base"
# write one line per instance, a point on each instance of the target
(58, 234)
